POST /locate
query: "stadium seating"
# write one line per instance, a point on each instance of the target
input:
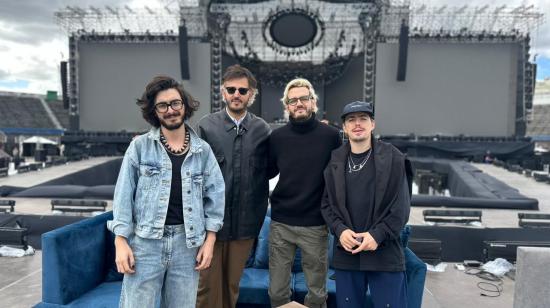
(540, 125)
(23, 112)
(79, 270)
(60, 113)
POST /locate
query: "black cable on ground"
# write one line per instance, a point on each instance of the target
(491, 289)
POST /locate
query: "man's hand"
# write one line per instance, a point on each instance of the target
(204, 256)
(368, 243)
(348, 240)
(124, 256)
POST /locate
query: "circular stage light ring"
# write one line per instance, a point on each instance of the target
(293, 29)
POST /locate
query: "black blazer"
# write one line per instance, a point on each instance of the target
(391, 208)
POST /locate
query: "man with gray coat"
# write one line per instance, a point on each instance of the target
(239, 141)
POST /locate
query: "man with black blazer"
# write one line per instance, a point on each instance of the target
(366, 203)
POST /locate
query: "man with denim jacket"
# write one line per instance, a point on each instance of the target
(239, 141)
(168, 203)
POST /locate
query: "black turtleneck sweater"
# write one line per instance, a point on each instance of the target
(299, 152)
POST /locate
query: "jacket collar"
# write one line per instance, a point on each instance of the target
(228, 123)
(196, 146)
(338, 167)
(382, 163)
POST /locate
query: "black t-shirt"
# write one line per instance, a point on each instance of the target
(174, 216)
(360, 186)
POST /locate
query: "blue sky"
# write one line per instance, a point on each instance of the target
(16, 85)
(32, 45)
(543, 68)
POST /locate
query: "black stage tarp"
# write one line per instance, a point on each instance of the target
(466, 243)
(103, 174)
(37, 224)
(96, 182)
(470, 187)
(464, 149)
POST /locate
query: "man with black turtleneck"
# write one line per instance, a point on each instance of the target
(299, 152)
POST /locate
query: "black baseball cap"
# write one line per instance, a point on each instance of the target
(358, 106)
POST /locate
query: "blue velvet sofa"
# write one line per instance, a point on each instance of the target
(78, 269)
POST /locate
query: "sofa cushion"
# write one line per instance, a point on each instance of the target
(404, 237)
(253, 286)
(105, 295)
(261, 257)
(416, 276)
(74, 253)
(300, 288)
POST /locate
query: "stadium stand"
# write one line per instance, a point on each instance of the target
(23, 112)
(540, 125)
(60, 113)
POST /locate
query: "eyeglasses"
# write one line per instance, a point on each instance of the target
(294, 101)
(162, 107)
(231, 90)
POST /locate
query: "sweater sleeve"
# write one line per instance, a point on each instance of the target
(272, 169)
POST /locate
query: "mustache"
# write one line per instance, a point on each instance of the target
(227, 102)
(173, 115)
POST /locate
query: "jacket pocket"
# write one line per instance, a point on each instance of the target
(148, 176)
(197, 183)
(146, 192)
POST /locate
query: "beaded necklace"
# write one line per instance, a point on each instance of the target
(179, 151)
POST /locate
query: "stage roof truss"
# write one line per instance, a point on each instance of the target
(338, 29)
(132, 20)
(474, 20)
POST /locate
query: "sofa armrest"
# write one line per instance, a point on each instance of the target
(73, 259)
(416, 277)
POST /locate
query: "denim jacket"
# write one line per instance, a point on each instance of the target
(142, 190)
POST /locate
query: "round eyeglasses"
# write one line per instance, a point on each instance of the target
(295, 100)
(162, 107)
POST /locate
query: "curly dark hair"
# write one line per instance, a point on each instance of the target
(161, 83)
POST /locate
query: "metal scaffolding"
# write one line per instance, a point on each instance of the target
(338, 29)
(467, 19)
(129, 20)
(250, 18)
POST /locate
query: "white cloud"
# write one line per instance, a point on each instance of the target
(36, 63)
(32, 45)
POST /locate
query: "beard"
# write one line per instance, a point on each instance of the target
(302, 116)
(237, 105)
(358, 139)
(171, 125)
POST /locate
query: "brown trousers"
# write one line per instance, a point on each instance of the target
(219, 284)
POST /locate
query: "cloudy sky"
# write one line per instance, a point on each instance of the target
(32, 44)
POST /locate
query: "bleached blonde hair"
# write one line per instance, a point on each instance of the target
(299, 83)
